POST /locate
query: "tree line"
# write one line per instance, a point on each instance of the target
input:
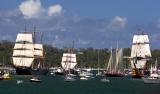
(86, 57)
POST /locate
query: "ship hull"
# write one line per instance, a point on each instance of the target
(114, 75)
(71, 71)
(137, 73)
(30, 71)
(59, 73)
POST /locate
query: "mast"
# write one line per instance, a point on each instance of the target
(111, 70)
(98, 62)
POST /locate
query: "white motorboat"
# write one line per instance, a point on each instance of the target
(34, 79)
(84, 78)
(105, 80)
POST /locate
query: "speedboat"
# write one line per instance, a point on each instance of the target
(84, 78)
(34, 79)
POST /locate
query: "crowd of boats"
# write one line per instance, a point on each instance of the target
(86, 74)
(28, 59)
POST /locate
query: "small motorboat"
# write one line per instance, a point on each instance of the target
(84, 78)
(6, 76)
(19, 81)
(35, 79)
(69, 78)
(105, 80)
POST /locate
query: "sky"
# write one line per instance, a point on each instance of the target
(89, 23)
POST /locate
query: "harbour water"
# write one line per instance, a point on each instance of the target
(56, 85)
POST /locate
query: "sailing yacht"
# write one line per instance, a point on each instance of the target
(140, 54)
(28, 57)
(98, 71)
(114, 68)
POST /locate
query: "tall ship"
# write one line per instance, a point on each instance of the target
(115, 67)
(140, 54)
(69, 62)
(28, 56)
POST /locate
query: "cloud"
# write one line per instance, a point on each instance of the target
(117, 23)
(34, 9)
(31, 8)
(54, 10)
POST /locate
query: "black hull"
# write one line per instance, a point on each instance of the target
(71, 72)
(114, 75)
(29, 71)
(137, 76)
(59, 73)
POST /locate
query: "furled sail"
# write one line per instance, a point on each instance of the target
(140, 51)
(68, 61)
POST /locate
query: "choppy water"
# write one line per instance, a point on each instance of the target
(57, 85)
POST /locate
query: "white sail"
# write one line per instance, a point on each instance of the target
(24, 37)
(119, 55)
(27, 53)
(109, 66)
(115, 61)
(23, 51)
(22, 61)
(38, 50)
(23, 46)
(140, 50)
(68, 61)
